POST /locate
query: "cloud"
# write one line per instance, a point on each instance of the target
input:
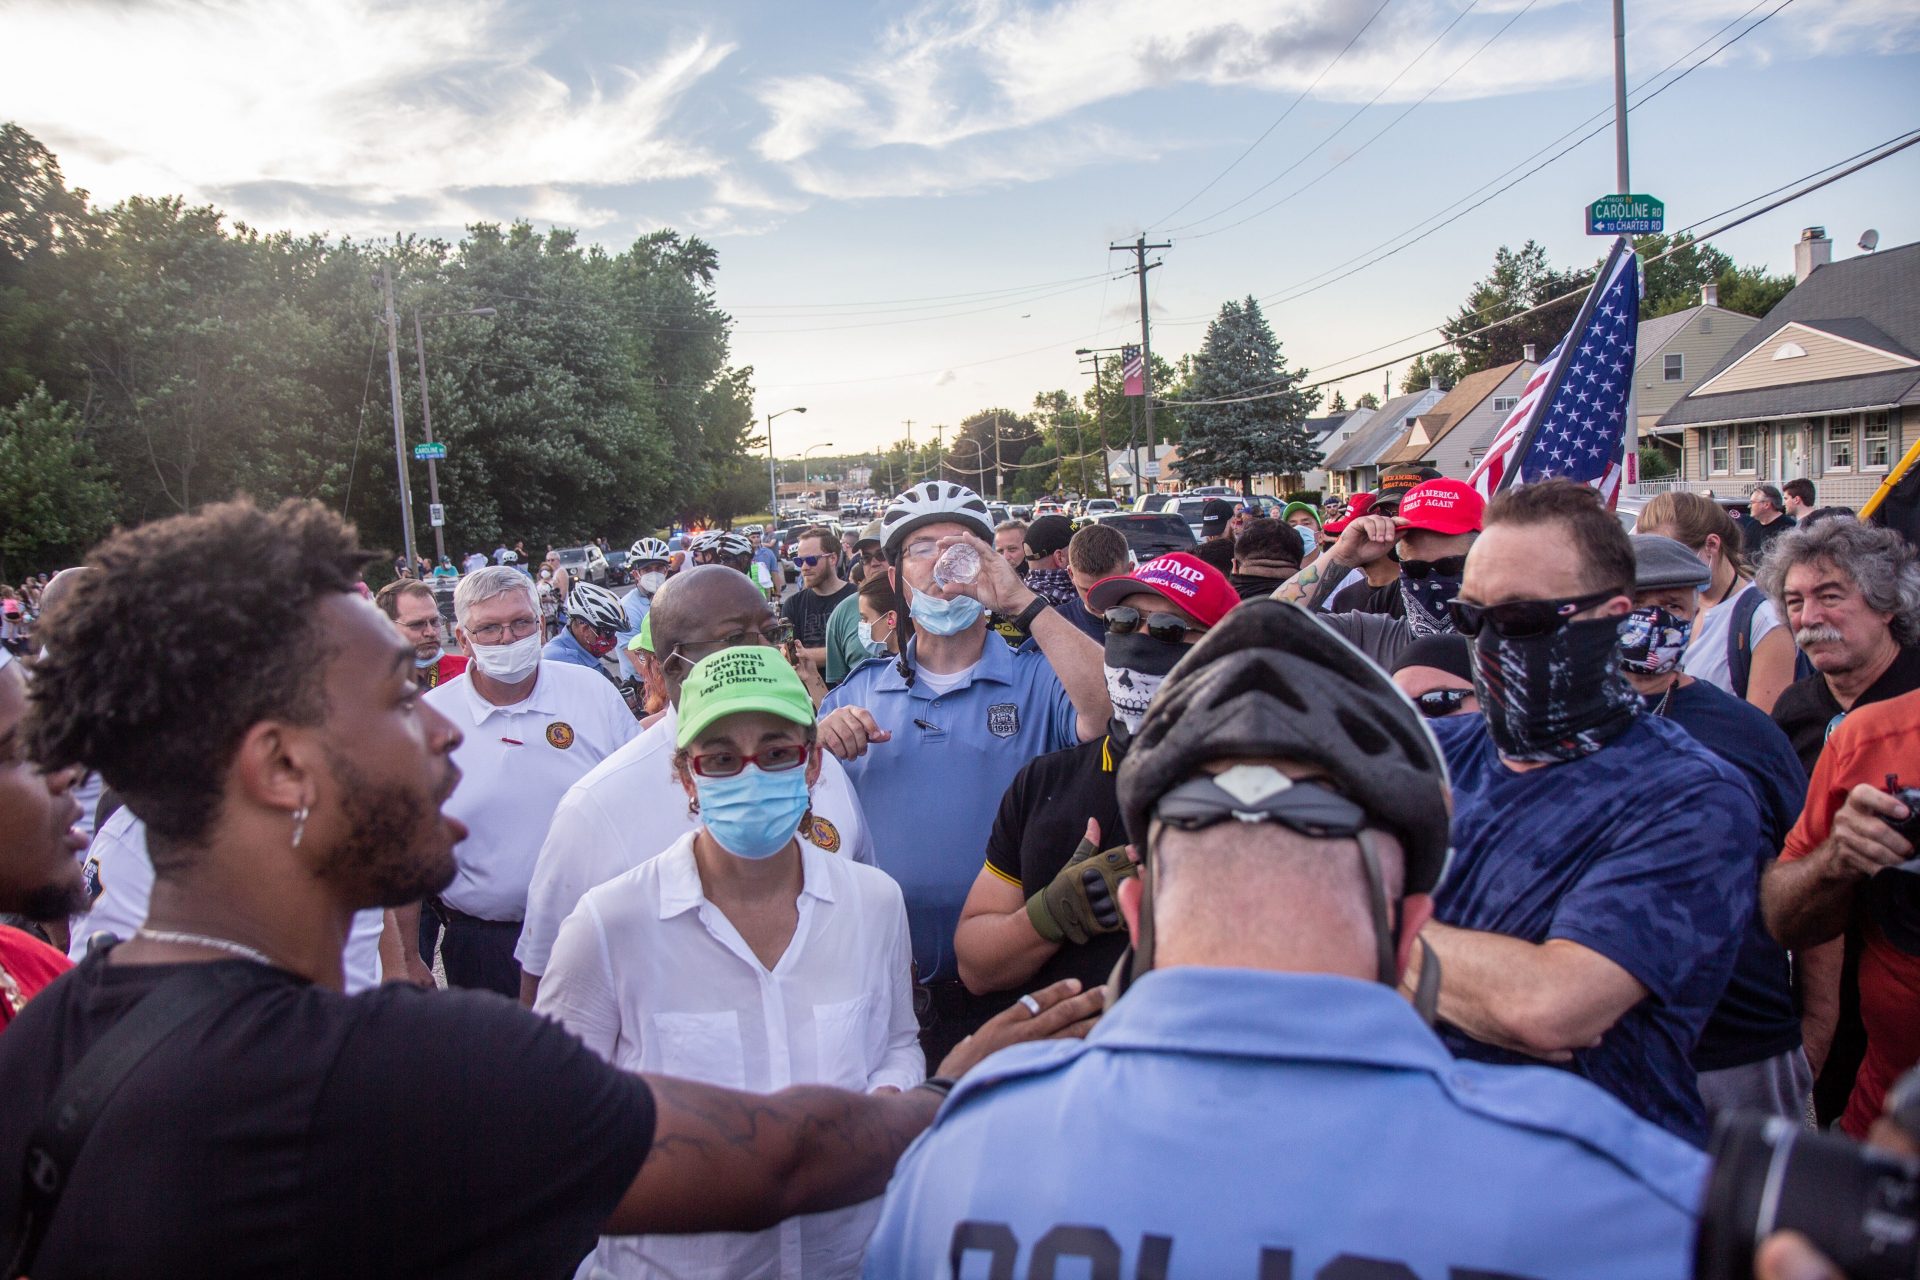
(947, 378)
(906, 172)
(372, 102)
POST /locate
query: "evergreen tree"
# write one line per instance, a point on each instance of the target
(1240, 357)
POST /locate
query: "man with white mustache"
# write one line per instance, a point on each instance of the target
(1850, 592)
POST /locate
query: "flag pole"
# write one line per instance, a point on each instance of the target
(1908, 461)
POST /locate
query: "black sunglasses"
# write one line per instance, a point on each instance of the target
(1164, 627)
(1436, 704)
(1445, 566)
(1520, 619)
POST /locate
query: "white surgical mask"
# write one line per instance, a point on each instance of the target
(875, 645)
(652, 581)
(509, 663)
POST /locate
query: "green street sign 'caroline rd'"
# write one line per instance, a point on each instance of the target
(1626, 216)
(436, 451)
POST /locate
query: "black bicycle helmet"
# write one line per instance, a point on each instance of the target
(1271, 682)
(936, 501)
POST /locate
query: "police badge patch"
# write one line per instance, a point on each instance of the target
(560, 735)
(824, 835)
(1003, 719)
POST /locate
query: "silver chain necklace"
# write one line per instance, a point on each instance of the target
(227, 945)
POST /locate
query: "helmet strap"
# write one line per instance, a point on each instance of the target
(1426, 997)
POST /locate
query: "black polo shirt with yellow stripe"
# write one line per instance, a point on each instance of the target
(1043, 817)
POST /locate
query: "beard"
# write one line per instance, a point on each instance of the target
(57, 901)
(395, 846)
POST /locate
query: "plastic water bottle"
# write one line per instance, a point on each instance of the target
(959, 564)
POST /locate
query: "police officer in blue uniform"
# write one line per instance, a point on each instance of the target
(1260, 1101)
(932, 740)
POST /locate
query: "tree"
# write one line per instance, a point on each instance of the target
(1338, 404)
(1265, 436)
(1442, 367)
(1518, 282)
(1367, 401)
(1674, 283)
(54, 499)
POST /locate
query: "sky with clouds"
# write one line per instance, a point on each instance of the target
(913, 204)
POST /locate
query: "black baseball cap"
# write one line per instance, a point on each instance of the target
(1047, 535)
(1215, 515)
(1394, 485)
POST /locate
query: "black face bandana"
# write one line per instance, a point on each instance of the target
(1426, 601)
(1135, 666)
(1554, 697)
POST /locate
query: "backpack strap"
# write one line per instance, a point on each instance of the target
(1739, 639)
(91, 1083)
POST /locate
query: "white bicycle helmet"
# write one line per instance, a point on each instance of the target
(647, 549)
(935, 502)
(597, 607)
(729, 545)
(510, 558)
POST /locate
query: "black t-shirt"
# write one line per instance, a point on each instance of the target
(1042, 819)
(302, 1133)
(1361, 596)
(808, 611)
(1756, 1018)
(1757, 537)
(1806, 708)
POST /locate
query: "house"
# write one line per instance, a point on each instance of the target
(1676, 352)
(1156, 470)
(1826, 386)
(1324, 433)
(1332, 444)
(1442, 436)
(1354, 466)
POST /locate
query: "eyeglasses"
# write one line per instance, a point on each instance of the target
(495, 632)
(1521, 619)
(807, 562)
(924, 549)
(728, 764)
(771, 634)
(424, 626)
(1164, 627)
(1445, 566)
(1436, 704)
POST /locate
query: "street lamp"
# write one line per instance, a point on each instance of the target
(807, 452)
(773, 479)
(426, 412)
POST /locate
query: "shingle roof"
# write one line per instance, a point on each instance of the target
(1387, 425)
(1657, 332)
(1874, 294)
(1451, 411)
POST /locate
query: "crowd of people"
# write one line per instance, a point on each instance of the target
(1398, 888)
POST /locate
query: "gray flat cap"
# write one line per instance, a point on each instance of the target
(1662, 562)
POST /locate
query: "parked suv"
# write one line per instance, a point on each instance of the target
(1150, 533)
(585, 564)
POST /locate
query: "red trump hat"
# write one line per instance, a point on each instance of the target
(1187, 581)
(1442, 506)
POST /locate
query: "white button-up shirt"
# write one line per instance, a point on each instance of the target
(653, 977)
(632, 807)
(516, 762)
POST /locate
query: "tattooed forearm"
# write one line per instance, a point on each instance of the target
(1295, 589)
(722, 1160)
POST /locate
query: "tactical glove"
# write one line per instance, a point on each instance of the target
(1083, 900)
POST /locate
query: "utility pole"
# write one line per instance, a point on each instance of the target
(940, 451)
(1100, 410)
(909, 453)
(426, 421)
(1620, 95)
(1140, 268)
(997, 471)
(399, 428)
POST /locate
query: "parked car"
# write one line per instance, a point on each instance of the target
(1150, 533)
(585, 564)
(1100, 507)
(1049, 509)
(617, 564)
(1023, 513)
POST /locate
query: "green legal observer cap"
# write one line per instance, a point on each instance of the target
(746, 678)
(642, 641)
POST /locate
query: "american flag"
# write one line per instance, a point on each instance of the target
(1134, 370)
(1576, 415)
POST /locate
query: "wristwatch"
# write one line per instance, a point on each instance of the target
(1024, 619)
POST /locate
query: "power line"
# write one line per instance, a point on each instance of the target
(1886, 150)
(1457, 19)
(1282, 119)
(1337, 165)
(1307, 285)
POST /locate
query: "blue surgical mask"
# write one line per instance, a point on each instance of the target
(753, 814)
(944, 617)
(1308, 536)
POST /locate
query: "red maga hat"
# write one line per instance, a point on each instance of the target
(1442, 506)
(1187, 581)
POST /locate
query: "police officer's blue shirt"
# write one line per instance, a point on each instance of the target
(931, 792)
(1637, 852)
(636, 603)
(1226, 1123)
(564, 648)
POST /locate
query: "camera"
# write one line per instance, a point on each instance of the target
(1892, 897)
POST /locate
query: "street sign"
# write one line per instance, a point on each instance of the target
(436, 514)
(434, 452)
(1627, 215)
(1151, 470)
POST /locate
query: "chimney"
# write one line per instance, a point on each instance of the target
(1710, 294)
(1433, 384)
(1530, 354)
(1812, 251)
